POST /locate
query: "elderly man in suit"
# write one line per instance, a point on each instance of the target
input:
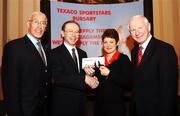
(24, 71)
(155, 71)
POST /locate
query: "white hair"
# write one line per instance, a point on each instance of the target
(140, 16)
(37, 13)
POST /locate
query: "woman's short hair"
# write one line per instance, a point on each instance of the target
(111, 33)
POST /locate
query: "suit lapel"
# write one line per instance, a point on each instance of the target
(148, 52)
(68, 56)
(80, 59)
(32, 48)
(135, 56)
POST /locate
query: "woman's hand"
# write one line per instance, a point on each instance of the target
(104, 71)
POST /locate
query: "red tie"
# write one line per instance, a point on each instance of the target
(139, 55)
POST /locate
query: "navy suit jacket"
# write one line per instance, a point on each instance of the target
(25, 78)
(69, 84)
(155, 79)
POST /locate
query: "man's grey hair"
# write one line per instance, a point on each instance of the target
(36, 13)
(140, 16)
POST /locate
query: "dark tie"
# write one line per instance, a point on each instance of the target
(74, 57)
(139, 55)
(40, 51)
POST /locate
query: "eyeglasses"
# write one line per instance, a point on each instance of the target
(72, 32)
(136, 29)
(36, 22)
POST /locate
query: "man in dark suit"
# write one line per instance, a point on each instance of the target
(155, 71)
(68, 98)
(24, 71)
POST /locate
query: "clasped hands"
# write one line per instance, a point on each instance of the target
(90, 79)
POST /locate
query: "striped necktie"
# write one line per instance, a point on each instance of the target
(40, 51)
(140, 55)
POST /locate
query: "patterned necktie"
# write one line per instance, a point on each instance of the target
(140, 55)
(40, 51)
(74, 57)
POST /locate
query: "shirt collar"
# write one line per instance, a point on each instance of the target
(69, 47)
(33, 39)
(144, 45)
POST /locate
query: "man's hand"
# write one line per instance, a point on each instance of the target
(89, 70)
(92, 81)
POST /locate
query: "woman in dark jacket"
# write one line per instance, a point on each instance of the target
(114, 77)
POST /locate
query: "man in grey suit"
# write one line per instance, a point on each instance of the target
(155, 71)
(25, 75)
